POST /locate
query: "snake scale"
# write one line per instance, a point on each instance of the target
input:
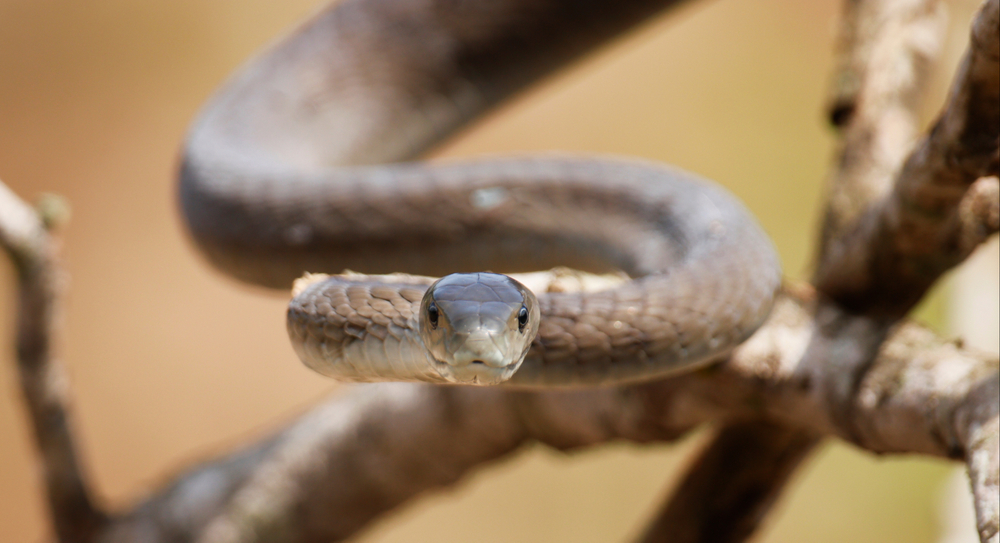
(305, 161)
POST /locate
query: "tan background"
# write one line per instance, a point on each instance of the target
(171, 362)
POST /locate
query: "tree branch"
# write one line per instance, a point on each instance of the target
(982, 439)
(728, 491)
(24, 236)
(370, 450)
(885, 258)
(979, 213)
(885, 52)
(885, 47)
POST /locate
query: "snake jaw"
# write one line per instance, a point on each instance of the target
(475, 374)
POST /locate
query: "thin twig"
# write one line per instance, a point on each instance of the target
(23, 235)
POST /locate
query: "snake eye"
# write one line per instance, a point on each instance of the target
(522, 318)
(432, 314)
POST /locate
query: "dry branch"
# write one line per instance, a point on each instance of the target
(24, 236)
(979, 213)
(370, 450)
(884, 252)
(884, 49)
(885, 52)
(728, 491)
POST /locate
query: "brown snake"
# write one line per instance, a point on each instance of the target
(299, 164)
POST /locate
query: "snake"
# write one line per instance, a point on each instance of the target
(310, 159)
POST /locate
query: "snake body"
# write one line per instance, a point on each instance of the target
(303, 163)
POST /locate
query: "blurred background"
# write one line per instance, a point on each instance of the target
(171, 362)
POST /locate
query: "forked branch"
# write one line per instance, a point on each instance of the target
(883, 258)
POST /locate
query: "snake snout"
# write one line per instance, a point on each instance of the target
(481, 348)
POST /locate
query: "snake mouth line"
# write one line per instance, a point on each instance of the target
(481, 373)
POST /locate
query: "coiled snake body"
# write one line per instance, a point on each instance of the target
(300, 164)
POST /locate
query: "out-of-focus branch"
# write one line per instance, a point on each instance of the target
(728, 491)
(333, 471)
(982, 456)
(883, 249)
(979, 213)
(884, 48)
(885, 258)
(24, 236)
(369, 451)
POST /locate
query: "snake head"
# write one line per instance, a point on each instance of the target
(477, 327)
